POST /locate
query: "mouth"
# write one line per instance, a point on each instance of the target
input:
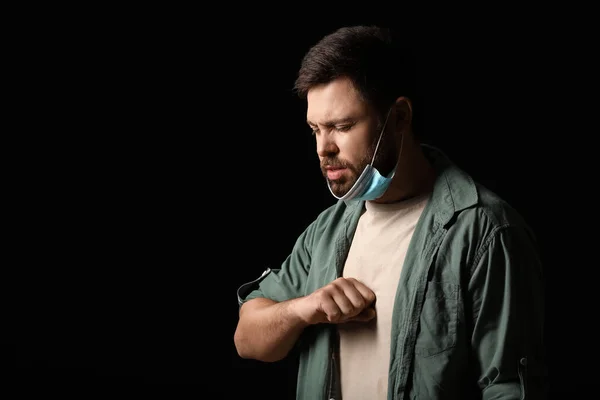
(335, 173)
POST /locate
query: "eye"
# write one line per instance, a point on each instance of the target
(314, 131)
(344, 128)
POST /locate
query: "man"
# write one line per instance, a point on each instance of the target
(418, 283)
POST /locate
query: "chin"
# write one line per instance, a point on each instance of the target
(339, 189)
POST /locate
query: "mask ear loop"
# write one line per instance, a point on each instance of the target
(381, 135)
(379, 140)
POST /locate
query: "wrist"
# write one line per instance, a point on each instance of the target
(296, 310)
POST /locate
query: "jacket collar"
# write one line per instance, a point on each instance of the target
(454, 190)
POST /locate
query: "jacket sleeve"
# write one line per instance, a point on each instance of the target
(506, 288)
(286, 282)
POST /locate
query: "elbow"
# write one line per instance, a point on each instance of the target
(264, 357)
(271, 357)
(250, 351)
(244, 351)
(240, 345)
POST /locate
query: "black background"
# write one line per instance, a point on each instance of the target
(168, 161)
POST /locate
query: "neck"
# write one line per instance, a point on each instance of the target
(414, 175)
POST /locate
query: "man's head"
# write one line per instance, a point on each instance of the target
(351, 80)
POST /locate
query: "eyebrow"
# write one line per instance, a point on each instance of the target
(333, 122)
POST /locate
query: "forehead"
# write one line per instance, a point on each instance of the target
(334, 100)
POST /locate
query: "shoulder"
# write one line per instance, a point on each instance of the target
(492, 214)
(493, 227)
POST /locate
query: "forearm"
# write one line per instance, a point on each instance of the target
(267, 330)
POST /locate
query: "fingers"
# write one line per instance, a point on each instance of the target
(347, 295)
(349, 304)
(330, 308)
(366, 294)
(366, 315)
(344, 299)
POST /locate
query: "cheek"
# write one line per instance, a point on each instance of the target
(353, 150)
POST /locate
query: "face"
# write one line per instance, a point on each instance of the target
(346, 129)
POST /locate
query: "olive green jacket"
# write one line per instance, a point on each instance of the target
(469, 311)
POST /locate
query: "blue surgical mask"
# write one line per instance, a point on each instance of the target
(370, 185)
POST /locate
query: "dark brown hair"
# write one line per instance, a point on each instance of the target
(367, 55)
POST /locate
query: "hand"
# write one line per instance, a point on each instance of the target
(343, 300)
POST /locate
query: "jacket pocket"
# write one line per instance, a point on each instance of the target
(438, 321)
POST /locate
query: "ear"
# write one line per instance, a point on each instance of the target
(403, 110)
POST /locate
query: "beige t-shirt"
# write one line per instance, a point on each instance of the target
(375, 258)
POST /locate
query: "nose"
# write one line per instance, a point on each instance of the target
(326, 145)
